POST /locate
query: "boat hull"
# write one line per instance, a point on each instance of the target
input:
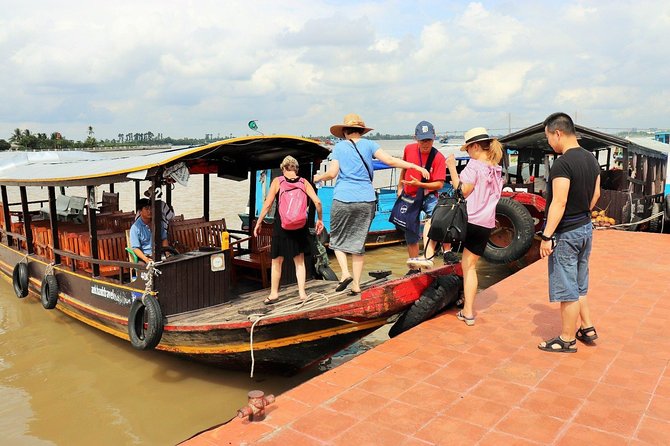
(281, 343)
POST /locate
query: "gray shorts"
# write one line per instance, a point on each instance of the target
(569, 265)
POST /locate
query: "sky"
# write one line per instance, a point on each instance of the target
(190, 68)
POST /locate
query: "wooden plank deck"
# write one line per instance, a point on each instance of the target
(239, 309)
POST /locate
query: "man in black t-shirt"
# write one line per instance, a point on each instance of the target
(573, 190)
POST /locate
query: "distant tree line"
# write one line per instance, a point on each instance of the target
(27, 140)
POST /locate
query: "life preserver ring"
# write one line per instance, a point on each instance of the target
(49, 292)
(145, 323)
(513, 235)
(442, 293)
(20, 279)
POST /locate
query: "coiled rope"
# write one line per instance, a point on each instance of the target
(152, 271)
(313, 302)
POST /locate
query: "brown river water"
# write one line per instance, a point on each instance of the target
(65, 383)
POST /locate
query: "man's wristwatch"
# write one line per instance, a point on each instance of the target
(544, 238)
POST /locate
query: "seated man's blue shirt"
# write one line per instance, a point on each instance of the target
(140, 236)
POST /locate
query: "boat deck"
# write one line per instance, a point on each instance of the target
(321, 295)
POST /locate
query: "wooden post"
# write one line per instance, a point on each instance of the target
(6, 214)
(93, 231)
(53, 219)
(26, 221)
(137, 191)
(156, 219)
(205, 196)
(252, 200)
(111, 188)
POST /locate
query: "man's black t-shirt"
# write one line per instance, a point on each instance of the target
(582, 169)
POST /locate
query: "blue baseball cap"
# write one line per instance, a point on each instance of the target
(424, 130)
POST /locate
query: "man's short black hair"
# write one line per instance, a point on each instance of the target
(142, 203)
(560, 121)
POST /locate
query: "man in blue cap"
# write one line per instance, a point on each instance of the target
(411, 185)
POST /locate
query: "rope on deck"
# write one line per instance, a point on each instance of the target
(313, 302)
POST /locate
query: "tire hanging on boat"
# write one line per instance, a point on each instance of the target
(442, 293)
(145, 323)
(49, 292)
(510, 213)
(20, 280)
(327, 274)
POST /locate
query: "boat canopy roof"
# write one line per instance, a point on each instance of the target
(533, 138)
(233, 157)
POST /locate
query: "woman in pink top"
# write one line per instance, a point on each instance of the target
(481, 183)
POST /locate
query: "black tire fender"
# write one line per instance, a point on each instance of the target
(145, 323)
(438, 296)
(49, 292)
(20, 280)
(511, 212)
(327, 274)
(667, 208)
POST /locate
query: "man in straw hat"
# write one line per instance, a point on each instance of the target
(572, 191)
(354, 199)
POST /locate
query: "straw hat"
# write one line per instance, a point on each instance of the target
(475, 135)
(351, 120)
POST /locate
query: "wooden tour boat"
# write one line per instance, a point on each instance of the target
(205, 301)
(633, 179)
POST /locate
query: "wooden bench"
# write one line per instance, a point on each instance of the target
(189, 235)
(255, 262)
(110, 247)
(116, 221)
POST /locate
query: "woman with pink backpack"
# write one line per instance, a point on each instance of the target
(290, 235)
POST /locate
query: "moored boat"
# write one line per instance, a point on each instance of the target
(206, 300)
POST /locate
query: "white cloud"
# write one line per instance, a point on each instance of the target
(189, 68)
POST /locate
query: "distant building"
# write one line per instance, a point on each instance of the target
(662, 136)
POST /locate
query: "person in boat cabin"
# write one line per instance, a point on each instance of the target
(291, 243)
(410, 184)
(572, 192)
(140, 232)
(481, 182)
(354, 199)
(167, 212)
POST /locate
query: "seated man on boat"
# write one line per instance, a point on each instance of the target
(140, 232)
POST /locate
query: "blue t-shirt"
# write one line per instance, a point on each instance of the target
(353, 181)
(140, 236)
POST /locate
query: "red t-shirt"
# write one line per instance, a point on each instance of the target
(438, 170)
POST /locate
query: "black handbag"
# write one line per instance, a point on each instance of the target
(449, 223)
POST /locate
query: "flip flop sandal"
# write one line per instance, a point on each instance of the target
(564, 346)
(344, 284)
(269, 301)
(586, 339)
(469, 321)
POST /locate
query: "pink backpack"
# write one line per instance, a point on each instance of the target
(292, 204)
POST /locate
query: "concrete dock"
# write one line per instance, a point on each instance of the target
(444, 383)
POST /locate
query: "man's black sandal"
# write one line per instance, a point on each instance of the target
(587, 339)
(564, 346)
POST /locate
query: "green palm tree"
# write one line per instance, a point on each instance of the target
(16, 136)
